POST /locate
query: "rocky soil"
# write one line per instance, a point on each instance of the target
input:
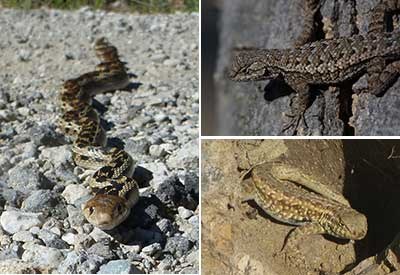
(42, 227)
(240, 238)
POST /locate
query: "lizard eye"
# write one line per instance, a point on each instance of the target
(91, 210)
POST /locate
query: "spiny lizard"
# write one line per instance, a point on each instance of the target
(329, 62)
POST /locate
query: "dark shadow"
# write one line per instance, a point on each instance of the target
(142, 176)
(106, 125)
(116, 142)
(132, 75)
(140, 227)
(100, 108)
(132, 86)
(276, 88)
(372, 187)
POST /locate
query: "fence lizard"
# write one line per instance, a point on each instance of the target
(326, 62)
(291, 196)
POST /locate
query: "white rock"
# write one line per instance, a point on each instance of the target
(13, 221)
(23, 236)
(73, 192)
(34, 230)
(134, 249)
(69, 238)
(184, 213)
(156, 151)
(56, 231)
(57, 155)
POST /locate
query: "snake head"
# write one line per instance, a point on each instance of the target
(106, 211)
(250, 65)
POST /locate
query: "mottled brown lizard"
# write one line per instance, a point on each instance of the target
(327, 62)
(290, 195)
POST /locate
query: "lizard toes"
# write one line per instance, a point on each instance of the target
(293, 123)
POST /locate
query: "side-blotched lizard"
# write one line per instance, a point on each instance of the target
(294, 197)
(329, 62)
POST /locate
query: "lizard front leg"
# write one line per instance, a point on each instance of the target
(298, 103)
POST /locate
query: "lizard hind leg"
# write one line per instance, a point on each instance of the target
(310, 9)
(380, 13)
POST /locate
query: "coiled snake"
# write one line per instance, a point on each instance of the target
(115, 192)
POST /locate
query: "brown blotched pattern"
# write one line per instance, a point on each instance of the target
(115, 192)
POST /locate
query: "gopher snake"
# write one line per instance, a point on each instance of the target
(115, 192)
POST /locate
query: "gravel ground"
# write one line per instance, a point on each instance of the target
(42, 227)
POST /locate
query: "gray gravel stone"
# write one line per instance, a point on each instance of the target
(98, 235)
(25, 176)
(29, 151)
(75, 216)
(166, 263)
(137, 146)
(73, 192)
(119, 267)
(51, 239)
(160, 172)
(193, 232)
(178, 245)
(80, 263)
(83, 241)
(14, 198)
(13, 221)
(42, 256)
(186, 157)
(39, 200)
(59, 156)
(102, 250)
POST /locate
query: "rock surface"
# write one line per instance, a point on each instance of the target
(156, 120)
(257, 109)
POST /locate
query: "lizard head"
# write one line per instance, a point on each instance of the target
(248, 66)
(351, 225)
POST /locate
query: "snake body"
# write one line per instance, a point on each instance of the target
(115, 192)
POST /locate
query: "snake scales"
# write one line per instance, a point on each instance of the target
(115, 192)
